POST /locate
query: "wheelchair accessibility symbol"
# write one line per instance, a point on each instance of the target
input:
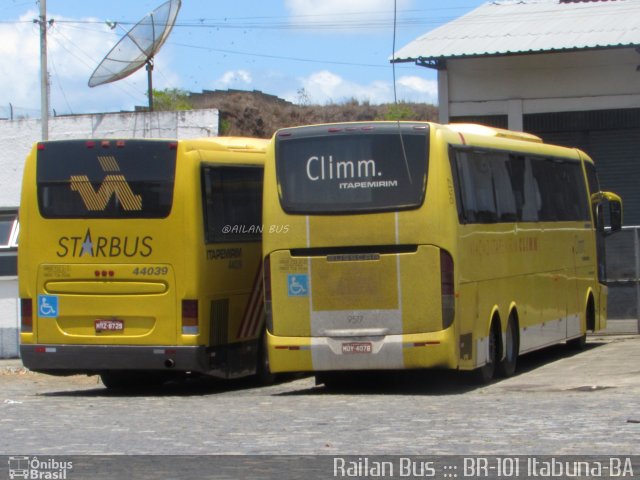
(298, 285)
(47, 306)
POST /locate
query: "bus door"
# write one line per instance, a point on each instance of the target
(232, 281)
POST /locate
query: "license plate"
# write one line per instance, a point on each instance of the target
(109, 325)
(356, 347)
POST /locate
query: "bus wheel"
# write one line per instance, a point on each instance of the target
(485, 374)
(578, 343)
(263, 372)
(507, 366)
(581, 342)
(335, 381)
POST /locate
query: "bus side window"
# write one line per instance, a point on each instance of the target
(232, 204)
(477, 187)
(594, 187)
(503, 188)
(562, 190)
(486, 188)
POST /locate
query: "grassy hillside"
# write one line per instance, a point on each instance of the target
(255, 114)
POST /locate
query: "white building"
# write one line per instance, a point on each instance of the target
(16, 139)
(567, 70)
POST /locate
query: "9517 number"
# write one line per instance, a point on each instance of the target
(150, 271)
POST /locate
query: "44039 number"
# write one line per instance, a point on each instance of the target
(150, 271)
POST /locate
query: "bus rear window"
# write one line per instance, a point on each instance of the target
(352, 168)
(94, 179)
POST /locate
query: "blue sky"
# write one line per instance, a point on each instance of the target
(313, 51)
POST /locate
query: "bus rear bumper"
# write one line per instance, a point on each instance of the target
(390, 352)
(89, 359)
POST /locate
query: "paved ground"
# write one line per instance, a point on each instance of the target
(560, 402)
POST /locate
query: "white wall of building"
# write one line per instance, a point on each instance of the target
(540, 83)
(17, 138)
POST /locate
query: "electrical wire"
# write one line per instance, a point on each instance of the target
(395, 96)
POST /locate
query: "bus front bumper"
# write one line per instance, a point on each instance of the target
(89, 359)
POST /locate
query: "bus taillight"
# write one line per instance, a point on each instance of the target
(447, 288)
(190, 317)
(268, 314)
(26, 315)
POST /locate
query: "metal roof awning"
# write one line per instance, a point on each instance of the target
(528, 26)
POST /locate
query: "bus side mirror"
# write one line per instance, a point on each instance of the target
(615, 215)
(608, 212)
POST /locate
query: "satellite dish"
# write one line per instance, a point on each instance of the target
(138, 47)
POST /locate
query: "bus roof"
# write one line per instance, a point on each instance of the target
(229, 143)
(476, 129)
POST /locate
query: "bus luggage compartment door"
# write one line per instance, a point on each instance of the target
(106, 304)
(357, 294)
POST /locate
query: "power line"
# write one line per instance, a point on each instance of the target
(280, 57)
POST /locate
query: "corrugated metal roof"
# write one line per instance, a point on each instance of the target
(527, 26)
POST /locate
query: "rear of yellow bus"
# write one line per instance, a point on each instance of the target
(358, 245)
(101, 250)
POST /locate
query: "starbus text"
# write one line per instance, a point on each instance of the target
(107, 247)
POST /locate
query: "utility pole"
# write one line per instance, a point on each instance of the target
(44, 74)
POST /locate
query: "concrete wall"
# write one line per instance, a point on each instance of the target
(8, 317)
(539, 83)
(17, 138)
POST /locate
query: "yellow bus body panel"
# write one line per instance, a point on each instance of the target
(543, 274)
(140, 270)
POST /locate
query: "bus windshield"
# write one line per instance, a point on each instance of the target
(361, 170)
(84, 179)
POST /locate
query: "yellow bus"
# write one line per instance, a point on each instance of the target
(140, 260)
(418, 245)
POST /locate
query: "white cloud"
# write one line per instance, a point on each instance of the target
(19, 64)
(234, 78)
(414, 85)
(73, 54)
(337, 8)
(325, 87)
(350, 13)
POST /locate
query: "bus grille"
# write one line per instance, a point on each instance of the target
(219, 322)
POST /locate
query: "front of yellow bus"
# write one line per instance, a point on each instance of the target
(359, 227)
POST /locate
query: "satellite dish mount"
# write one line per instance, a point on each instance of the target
(149, 69)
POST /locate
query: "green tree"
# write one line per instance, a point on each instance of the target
(171, 99)
(399, 111)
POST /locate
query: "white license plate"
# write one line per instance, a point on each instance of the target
(357, 347)
(109, 325)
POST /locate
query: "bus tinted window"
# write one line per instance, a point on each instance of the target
(353, 170)
(562, 190)
(488, 195)
(232, 204)
(132, 181)
(505, 187)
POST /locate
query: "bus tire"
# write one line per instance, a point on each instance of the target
(507, 366)
(578, 343)
(263, 372)
(485, 374)
(590, 320)
(334, 381)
